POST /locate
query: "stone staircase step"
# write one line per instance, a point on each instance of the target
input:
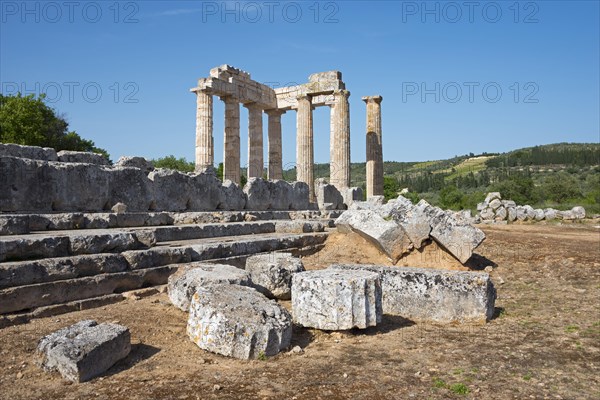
(18, 224)
(29, 285)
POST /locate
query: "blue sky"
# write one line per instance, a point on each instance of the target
(455, 78)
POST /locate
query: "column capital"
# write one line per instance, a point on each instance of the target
(275, 112)
(253, 106)
(198, 90)
(372, 99)
(303, 97)
(341, 92)
(228, 99)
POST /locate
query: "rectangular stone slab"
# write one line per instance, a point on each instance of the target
(434, 295)
(84, 350)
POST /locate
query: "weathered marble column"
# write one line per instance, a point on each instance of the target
(231, 140)
(255, 141)
(204, 130)
(339, 175)
(374, 146)
(305, 157)
(275, 170)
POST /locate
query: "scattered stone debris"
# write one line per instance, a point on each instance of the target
(271, 274)
(495, 210)
(84, 350)
(237, 321)
(398, 227)
(336, 299)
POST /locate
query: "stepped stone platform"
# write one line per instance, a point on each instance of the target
(69, 261)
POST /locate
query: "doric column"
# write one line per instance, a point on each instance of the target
(231, 141)
(374, 146)
(339, 175)
(255, 141)
(204, 130)
(304, 145)
(275, 170)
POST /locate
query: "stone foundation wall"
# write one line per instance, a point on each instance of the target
(33, 179)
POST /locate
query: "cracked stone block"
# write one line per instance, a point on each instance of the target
(336, 299)
(237, 321)
(184, 283)
(272, 273)
(84, 350)
(433, 295)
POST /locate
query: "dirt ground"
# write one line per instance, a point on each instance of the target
(543, 343)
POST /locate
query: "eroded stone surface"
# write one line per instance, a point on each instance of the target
(84, 350)
(238, 321)
(271, 274)
(183, 284)
(433, 295)
(336, 300)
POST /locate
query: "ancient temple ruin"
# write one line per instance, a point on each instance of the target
(235, 87)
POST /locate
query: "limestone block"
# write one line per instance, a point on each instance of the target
(26, 185)
(567, 215)
(521, 213)
(458, 237)
(135, 162)
(207, 192)
(299, 226)
(300, 196)
(487, 214)
(281, 195)
(501, 214)
(379, 200)
(327, 193)
(550, 214)
(413, 219)
(82, 157)
(511, 214)
(352, 195)
(30, 152)
(14, 224)
(529, 211)
(482, 206)
(508, 203)
(157, 256)
(234, 198)
(172, 190)
(84, 350)
(131, 187)
(491, 196)
(80, 187)
(258, 194)
(387, 235)
(539, 214)
(271, 274)
(336, 300)
(432, 295)
(237, 321)
(183, 284)
(578, 212)
(495, 204)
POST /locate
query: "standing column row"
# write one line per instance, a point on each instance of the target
(204, 130)
(339, 174)
(304, 145)
(374, 146)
